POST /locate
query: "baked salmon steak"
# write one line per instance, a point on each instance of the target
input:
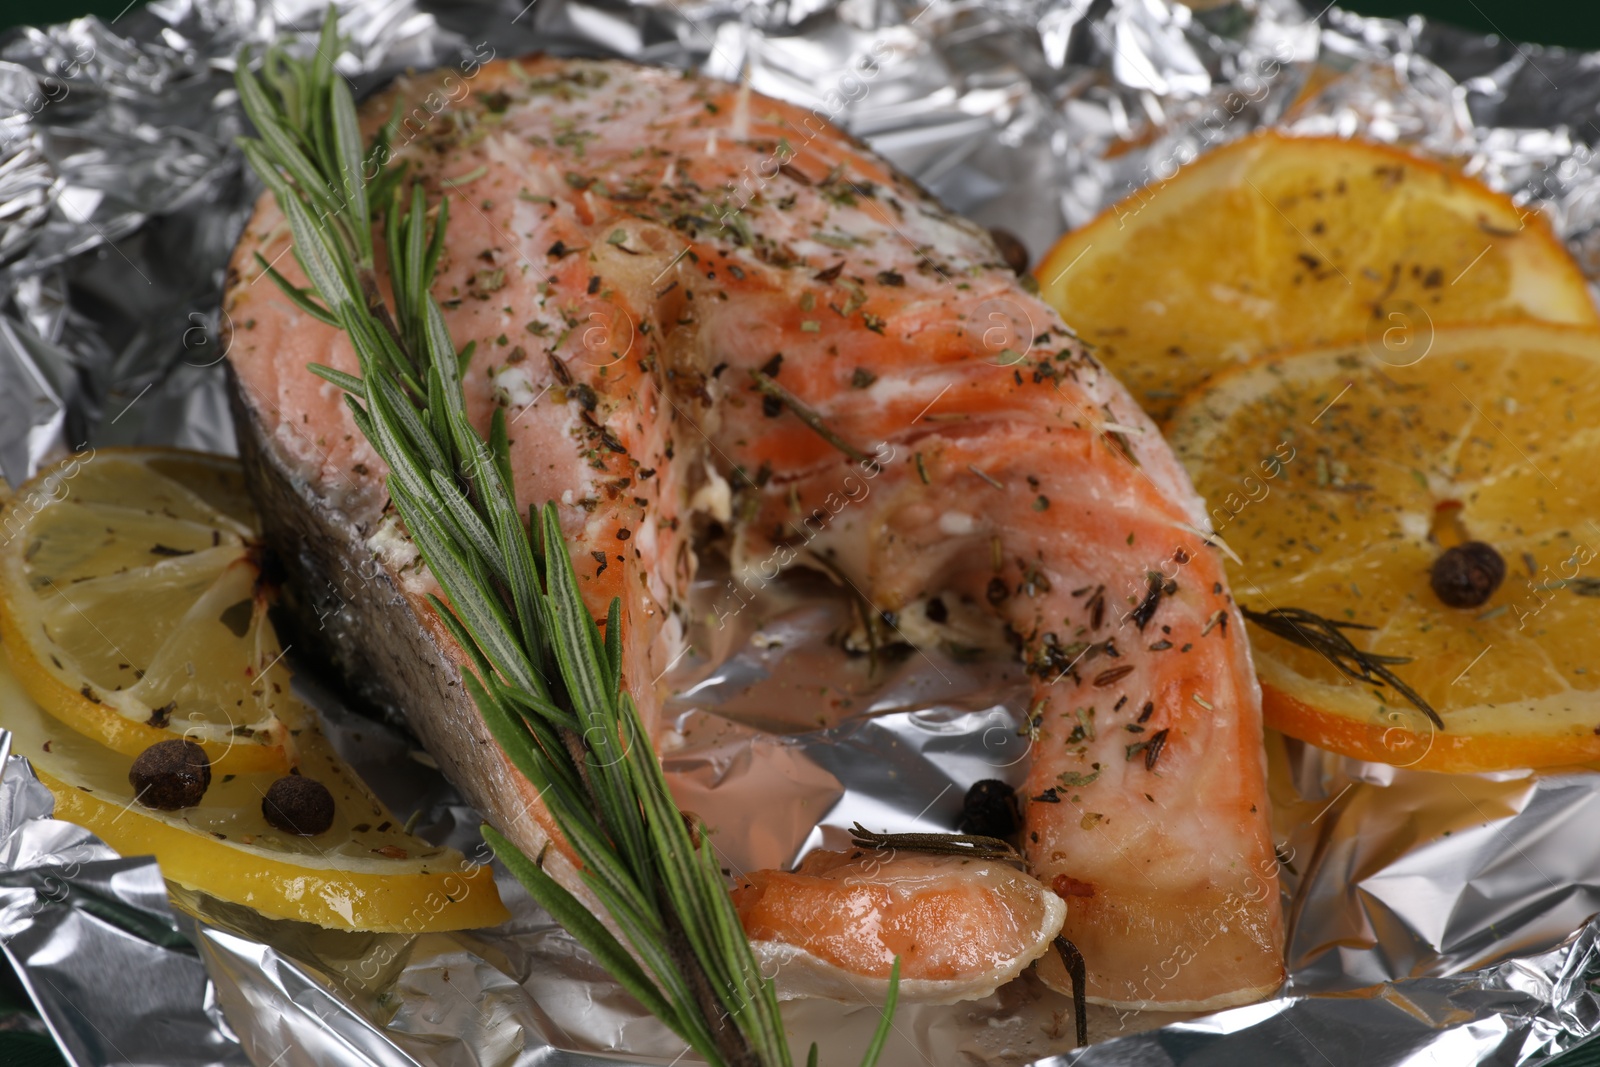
(696, 303)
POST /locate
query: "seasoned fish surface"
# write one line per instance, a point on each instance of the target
(691, 299)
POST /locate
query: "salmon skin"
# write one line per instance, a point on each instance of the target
(692, 300)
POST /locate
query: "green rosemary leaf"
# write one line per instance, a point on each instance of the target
(382, 189)
(613, 635)
(407, 470)
(745, 994)
(346, 137)
(348, 382)
(435, 410)
(511, 540)
(300, 297)
(359, 414)
(483, 616)
(566, 910)
(442, 354)
(419, 270)
(575, 646)
(460, 516)
(400, 281)
(436, 243)
(319, 261)
(881, 1036)
(284, 149)
(392, 411)
(435, 525)
(649, 942)
(552, 712)
(283, 79)
(500, 445)
(554, 771)
(601, 868)
(576, 638)
(463, 639)
(322, 68)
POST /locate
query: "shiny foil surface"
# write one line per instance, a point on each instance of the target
(1438, 919)
(96, 945)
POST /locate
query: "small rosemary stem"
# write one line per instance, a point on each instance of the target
(732, 1044)
(805, 413)
(1078, 971)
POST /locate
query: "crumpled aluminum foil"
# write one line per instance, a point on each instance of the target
(1432, 918)
(95, 943)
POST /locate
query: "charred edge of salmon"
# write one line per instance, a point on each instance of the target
(349, 614)
(332, 598)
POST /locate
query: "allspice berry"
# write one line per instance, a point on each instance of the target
(1467, 575)
(990, 809)
(170, 775)
(1011, 248)
(298, 805)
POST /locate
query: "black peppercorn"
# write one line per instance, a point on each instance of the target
(298, 805)
(1468, 574)
(1012, 250)
(170, 775)
(990, 809)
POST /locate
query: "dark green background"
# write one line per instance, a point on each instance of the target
(1575, 23)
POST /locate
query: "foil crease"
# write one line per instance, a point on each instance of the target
(1432, 918)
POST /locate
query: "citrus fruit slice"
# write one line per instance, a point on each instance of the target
(362, 873)
(1276, 242)
(1339, 479)
(131, 605)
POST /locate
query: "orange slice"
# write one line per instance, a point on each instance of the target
(1276, 243)
(1338, 477)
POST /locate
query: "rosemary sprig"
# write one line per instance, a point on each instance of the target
(975, 846)
(1310, 630)
(545, 676)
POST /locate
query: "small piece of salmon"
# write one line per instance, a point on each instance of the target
(959, 929)
(690, 299)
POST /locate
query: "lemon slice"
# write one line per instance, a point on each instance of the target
(132, 609)
(1277, 243)
(1339, 478)
(362, 873)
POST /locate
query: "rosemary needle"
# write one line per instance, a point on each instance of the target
(1310, 630)
(544, 677)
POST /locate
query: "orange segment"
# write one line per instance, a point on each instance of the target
(1337, 478)
(1277, 243)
